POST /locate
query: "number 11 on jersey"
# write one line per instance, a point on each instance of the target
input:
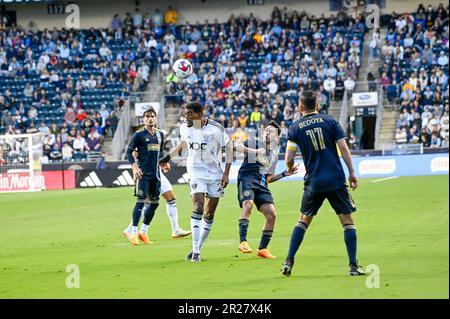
(312, 133)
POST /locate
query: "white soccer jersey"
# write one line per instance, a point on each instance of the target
(204, 149)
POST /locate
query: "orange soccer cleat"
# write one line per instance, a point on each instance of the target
(264, 253)
(144, 238)
(127, 235)
(134, 239)
(245, 248)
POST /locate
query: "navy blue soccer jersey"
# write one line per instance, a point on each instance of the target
(150, 148)
(257, 167)
(316, 136)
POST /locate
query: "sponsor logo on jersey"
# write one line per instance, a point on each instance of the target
(197, 146)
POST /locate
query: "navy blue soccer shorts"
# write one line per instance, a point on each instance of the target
(340, 199)
(255, 191)
(147, 189)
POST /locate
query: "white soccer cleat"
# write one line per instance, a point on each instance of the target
(181, 233)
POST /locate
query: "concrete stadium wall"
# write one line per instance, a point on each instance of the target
(98, 13)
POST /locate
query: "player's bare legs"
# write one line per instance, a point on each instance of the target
(296, 239)
(243, 226)
(350, 239)
(172, 213)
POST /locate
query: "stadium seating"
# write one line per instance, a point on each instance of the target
(236, 63)
(39, 59)
(415, 75)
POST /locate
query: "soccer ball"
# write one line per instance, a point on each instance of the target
(182, 68)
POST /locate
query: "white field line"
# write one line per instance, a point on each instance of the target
(384, 179)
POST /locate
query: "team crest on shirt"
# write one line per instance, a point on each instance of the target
(153, 147)
(208, 137)
(247, 193)
(140, 192)
(194, 186)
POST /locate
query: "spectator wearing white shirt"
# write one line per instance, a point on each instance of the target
(67, 152)
(43, 128)
(91, 83)
(273, 87)
(104, 51)
(54, 77)
(28, 90)
(79, 143)
(144, 71)
(349, 84)
(443, 59)
(151, 43)
(330, 86)
(64, 51)
(192, 47)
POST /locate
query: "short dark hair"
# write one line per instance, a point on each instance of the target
(275, 124)
(194, 106)
(308, 100)
(150, 110)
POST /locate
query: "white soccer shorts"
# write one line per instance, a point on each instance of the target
(211, 188)
(165, 184)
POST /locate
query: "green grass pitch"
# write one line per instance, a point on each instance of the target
(402, 227)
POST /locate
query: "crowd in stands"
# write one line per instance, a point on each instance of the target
(70, 85)
(415, 74)
(249, 71)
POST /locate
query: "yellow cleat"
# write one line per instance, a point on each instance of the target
(134, 239)
(127, 235)
(181, 233)
(245, 248)
(144, 238)
(264, 253)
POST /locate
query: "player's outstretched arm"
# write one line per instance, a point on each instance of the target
(172, 153)
(347, 156)
(241, 148)
(276, 177)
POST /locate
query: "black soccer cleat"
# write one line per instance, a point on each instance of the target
(286, 268)
(189, 256)
(355, 270)
(196, 258)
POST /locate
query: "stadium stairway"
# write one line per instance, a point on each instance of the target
(388, 125)
(367, 63)
(335, 109)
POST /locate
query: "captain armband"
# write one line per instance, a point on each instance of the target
(292, 146)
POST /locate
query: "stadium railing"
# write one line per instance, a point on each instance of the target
(402, 149)
(379, 120)
(120, 138)
(343, 116)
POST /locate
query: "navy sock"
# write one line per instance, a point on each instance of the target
(265, 239)
(137, 213)
(296, 238)
(150, 212)
(350, 242)
(243, 227)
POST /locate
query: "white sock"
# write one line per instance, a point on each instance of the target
(196, 220)
(134, 229)
(144, 228)
(205, 228)
(172, 212)
(129, 228)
